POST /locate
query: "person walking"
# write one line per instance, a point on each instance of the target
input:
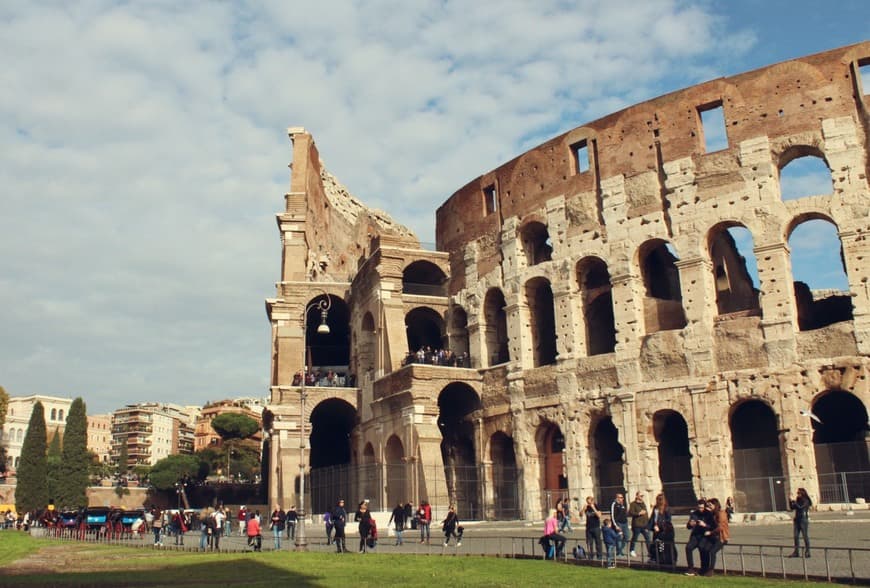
(449, 525)
(255, 537)
(291, 519)
(278, 521)
(218, 530)
(424, 520)
(715, 539)
(619, 518)
(398, 517)
(565, 521)
(593, 527)
(639, 520)
(338, 519)
(801, 506)
(612, 540)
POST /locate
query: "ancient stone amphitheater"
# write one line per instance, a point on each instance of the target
(614, 309)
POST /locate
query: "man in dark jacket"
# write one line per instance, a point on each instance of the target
(398, 517)
(700, 521)
(619, 516)
(639, 514)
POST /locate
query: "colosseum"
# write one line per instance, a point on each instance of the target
(588, 321)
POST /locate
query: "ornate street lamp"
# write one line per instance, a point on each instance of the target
(322, 329)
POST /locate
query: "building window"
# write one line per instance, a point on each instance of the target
(490, 199)
(713, 127)
(580, 156)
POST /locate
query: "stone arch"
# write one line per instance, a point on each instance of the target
(735, 288)
(804, 171)
(369, 473)
(396, 462)
(608, 455)
(663, 306)
(495, 333)
(675, 458)
(821, 283)
(367, 345)
(326, 351)
(758, 473)
(53, 414)
(425, 328)
(841, 439)
(457, 404)
(596, 295)
(505, 476)
(459, 332)
(425, 278)
(535, 239)
(542, 321)
(550, 443)
(60, 414)
(332, 422)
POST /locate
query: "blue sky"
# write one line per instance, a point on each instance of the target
(145, 153)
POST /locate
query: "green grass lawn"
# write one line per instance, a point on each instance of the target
(52, 563)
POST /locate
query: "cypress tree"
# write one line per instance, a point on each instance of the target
(4, 402)
(31, 493)
(75, 460)
(53, 461)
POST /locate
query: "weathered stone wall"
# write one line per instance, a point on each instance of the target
(649, 183)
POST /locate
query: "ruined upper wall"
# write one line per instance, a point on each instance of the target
(785, 102)
(338, 228)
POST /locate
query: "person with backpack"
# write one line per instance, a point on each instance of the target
(449, 525)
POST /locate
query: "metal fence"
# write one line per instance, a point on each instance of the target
(485, 491)
(832, 564)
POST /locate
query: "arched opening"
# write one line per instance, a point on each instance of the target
(325, 352)
(425, 278)
(735, 270)
(821, 286)
(757, 458)
(663, 303)
(425, 328)
(551, 449)
(495, 327)
(597, 297)
(804, 172)
(53, 414)
(332, 422)
(542, 321)
(841, 437)
(394, 455)
(367, 346)
(459, 336)
(370, 474)
(60, 414)
(675, 459)
(457, 402)
(506, 496)
(608, 454)
(536, 243)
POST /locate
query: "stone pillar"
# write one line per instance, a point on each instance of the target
(699, 304)
(777, 303)
(519, 337)
(628, 319)
(856, 252)
(710, 442)
(796, 437)
(563, 310)
(622, 411)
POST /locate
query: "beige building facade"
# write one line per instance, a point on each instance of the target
(593, 319)
(100, 436)
(18, 420)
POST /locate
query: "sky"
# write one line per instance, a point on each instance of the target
(144, 150)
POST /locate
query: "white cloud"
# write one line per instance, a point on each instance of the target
(145, 155)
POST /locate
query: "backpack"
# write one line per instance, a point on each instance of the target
(579, 552)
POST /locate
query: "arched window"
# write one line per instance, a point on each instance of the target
(757, 457)
(536, 243)
(495, 327)
(663, 307)
(734, 268)
(425, 278)
(804, 172)
(596, 294)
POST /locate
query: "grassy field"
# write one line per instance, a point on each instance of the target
(25, 561)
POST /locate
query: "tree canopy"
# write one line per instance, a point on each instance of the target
(75, 461)
(31, 493)
(4, 405)
(233, 425)
(53, 460)
(173, 468)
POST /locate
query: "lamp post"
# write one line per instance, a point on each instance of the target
(322, 329)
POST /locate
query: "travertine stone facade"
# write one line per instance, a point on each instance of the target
(614, 333)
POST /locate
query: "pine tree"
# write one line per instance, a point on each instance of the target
(72, 491)
(53, 461)
(31, 493)
(4, 403)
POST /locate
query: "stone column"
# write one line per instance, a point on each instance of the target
(710, 442)
(699, 304)
(777, 303)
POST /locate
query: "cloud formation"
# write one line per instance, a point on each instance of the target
(145, 155)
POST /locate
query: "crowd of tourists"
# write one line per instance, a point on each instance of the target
(444, 357)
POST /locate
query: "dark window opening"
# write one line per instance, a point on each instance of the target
(735, 286)
(424, 278)
(332, 422)
(542, 317)
(551, 447)
(504, 477)
(490, 199)
(580, 156)
(394, 455)
(495, 327)
(841, 438)
(757, 458)
(675, 458)
(536, 243)
(597, 297)
(330, 350)
(663, 308)
(608, 460)
(425, 329)
(713, 127)
(456, 404)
